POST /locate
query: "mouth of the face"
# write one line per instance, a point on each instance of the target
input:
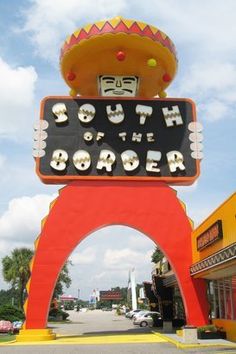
(120, 93)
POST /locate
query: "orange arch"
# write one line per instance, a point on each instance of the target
(83, 207)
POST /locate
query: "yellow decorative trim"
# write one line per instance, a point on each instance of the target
(153, 29)
(116, 20)
(43, 221)
(100, 24)
(142, 25)
(164, 36)
(87, 28)
(35, 335)
(68, 38)
(31, 263)
(26, 302)
(37, 241)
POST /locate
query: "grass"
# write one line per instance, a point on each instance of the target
(7, 338)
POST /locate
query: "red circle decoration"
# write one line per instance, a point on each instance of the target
(120, 56)
(71, 76)
(166, 77)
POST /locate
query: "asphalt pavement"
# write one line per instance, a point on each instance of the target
(98, 332)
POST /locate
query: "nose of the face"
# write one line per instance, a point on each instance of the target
(118, 83)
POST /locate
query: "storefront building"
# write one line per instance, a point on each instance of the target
(214, 259)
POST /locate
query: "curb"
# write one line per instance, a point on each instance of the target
(186, 346)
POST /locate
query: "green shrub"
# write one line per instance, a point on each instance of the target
(207, 328)
(11, 313)
(57, 314)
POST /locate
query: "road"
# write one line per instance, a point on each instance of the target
(99, 332)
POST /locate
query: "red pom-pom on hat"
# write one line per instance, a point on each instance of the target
(120, 56)
(166, 77)
(71, 76)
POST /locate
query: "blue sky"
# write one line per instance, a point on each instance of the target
(32, 32)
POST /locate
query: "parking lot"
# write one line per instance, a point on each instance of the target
(95, 322)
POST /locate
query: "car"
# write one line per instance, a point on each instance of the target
(146, 319)
(6, 327)
(131, 313)
(141, 313)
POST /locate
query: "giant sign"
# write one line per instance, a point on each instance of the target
(111, 138)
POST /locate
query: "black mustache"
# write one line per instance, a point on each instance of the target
(114, 89)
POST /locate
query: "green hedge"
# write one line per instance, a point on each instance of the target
(11, 313)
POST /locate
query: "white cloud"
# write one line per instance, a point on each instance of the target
(124, 259)
(208, 24)
(49, 23)
(16, 99)
(212, 85)
(206, 28)
(2, 161)
(21, 222)
(86, 256)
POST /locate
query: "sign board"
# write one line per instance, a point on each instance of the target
(211, 235)
(117, 139)
(110, 295)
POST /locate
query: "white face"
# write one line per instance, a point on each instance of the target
(111, 85)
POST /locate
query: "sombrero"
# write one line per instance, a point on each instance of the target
(118, 47)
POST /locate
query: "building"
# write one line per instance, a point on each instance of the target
(214, 259)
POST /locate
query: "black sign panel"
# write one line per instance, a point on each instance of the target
(210, 236)
(113, 138)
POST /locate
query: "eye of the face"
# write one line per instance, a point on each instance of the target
(128, 80)
(108, 79)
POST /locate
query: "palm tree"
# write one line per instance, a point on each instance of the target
(16, 270)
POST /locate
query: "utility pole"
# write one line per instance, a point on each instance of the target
(133, 289)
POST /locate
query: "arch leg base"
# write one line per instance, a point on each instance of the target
(35, 335)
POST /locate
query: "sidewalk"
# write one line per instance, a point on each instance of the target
(178, 341)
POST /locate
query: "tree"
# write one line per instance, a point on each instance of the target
(157, 255)
(16, 271)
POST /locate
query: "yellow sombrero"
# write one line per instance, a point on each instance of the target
(118, 47)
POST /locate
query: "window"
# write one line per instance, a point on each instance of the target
(222, 298)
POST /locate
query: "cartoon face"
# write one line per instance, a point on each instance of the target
(112, 85)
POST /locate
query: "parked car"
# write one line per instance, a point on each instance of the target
(6, 327)
(141, 313)
(17, 325)
(146, 319)
(131, 313)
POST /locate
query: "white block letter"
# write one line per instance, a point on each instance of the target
(117, 116)
(86, 113)
(172, 115)
(81, 160)
(143, 112)
(123, 136)
(150, 137)
(130, 160)
(153, 157)
(106, 160)
(175, 160)
(137, 137)
(58, 161)
(60, 111)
